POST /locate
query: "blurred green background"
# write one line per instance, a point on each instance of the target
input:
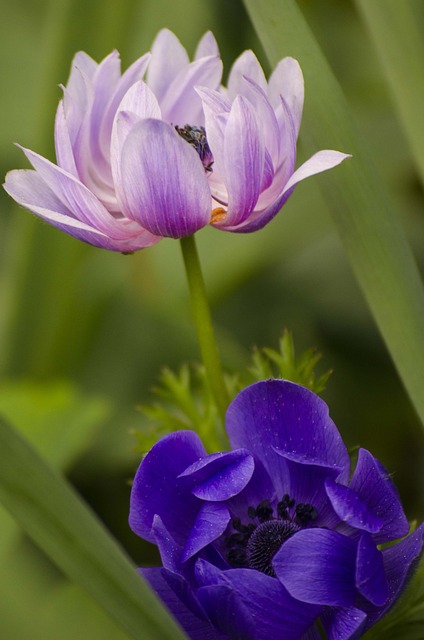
(84, 333)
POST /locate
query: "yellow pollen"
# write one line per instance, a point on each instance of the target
(217, 215)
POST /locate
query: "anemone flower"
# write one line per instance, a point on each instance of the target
(141, 160)
(275, 537)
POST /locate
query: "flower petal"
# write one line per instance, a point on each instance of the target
(220, 476)
(181, 104)
(319, 162)
(30, 191)
(286, 81)
(158, 491)
(370, 579)
(193, 625)
(163, 180)
(346, 623)
(351, 509)
(373, 485)
(64, 152)
(318, 566)
(207, 46)
(168, 58)
(244, 157)
(79, 200)
(246, 66)
(277, 414)
(210, 523)
(249, 604)
(307, 479)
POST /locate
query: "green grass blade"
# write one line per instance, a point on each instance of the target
(362, 211)
(58, 521)
(398, 37)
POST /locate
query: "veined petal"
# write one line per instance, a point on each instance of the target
(156, 490)
(210, 523)
(345, 623)
(319, 162)
(372, 483)
(370, 579)
(220, 476)
(318, 566)
(30, 191)
(286, 82)
(249, 604)
(139, 102)
(79, 200)
(181, 104)
(207, 46)
(277, 414)
(351, 508)
(164, 182)
(194, 626)
(168, 58)
(244, 156)
(132, 75)
(64, 152)
(246, 66)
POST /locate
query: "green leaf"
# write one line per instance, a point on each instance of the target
(269, 363)
(54, 416)
(53, 515)
(397, 34)
(362, 211)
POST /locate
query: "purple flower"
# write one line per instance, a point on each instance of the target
(138, 161)
(262, 541)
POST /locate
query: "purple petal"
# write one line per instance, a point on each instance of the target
(194, 626)
(158, 491)
(64, 152)
(78, 92)
(210, 523)
(272, 199)
(79, 200)
(318, 566)
(286, 81)
(220, 476)
(249, 604)
(181, 104)
(277, 414)
(400, 561)
(373, 485)
(351, 509)
(259, 488)
(164, 181)
(168, 58)
(347, 623)
(246, 66)
(244, 157)
(138, 103)
(307, 478)
(319, 162)
(132, 75)
(207, 46)
(371, 581)
(30, 191)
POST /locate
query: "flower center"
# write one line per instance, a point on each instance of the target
(196, 136)
(254, 545)
(264, 543)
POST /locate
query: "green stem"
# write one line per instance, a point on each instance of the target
(203, 322)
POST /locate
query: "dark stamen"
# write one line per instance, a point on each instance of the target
(264, 543)
(196, 137)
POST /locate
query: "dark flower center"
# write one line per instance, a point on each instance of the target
(264, 543)
(254, 545)
(196, 136)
